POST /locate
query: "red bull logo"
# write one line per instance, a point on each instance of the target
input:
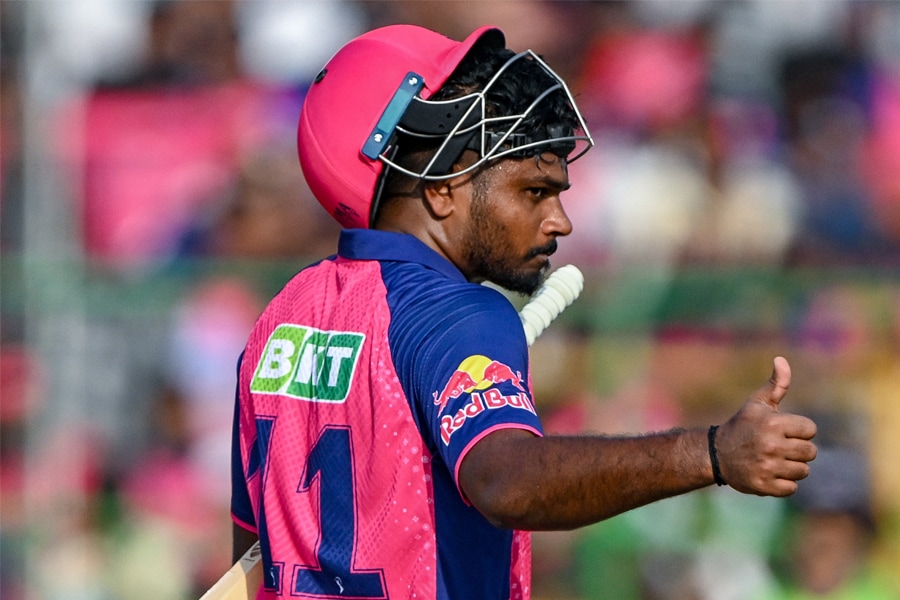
(478, 377)
(476, 372)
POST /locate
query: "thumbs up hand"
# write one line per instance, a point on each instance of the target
(762, 450)
(777, 386)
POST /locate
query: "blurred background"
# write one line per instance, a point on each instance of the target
(742, 202)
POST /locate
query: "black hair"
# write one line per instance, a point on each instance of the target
(514, 91)
(522, 82)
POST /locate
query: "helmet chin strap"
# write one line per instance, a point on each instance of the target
(379, 186)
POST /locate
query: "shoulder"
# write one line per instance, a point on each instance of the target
(420, 293)
(437, 319)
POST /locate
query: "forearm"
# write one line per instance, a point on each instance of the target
(567, 482)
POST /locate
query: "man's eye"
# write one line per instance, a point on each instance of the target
(537, 192)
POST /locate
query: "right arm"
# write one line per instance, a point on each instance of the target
(519, 480)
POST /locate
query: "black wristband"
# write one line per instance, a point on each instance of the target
(713, 456)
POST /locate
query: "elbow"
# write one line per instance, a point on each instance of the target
(511, 505)
(503, 513)
(509, 492)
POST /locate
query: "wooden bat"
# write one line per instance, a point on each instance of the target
(243, 580)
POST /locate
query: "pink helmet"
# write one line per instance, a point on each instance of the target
(357, 101)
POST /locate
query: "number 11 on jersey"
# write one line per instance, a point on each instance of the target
(331, 463)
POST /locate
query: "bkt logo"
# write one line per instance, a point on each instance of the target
(307, 363)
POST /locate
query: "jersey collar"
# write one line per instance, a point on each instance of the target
(373, 244)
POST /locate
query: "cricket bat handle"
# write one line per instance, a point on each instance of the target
(560, 290)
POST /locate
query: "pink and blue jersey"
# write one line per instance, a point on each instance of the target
(362, 386)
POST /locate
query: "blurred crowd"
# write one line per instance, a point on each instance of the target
(742, 201)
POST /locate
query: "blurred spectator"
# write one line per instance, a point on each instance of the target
(836, 127)
(643, 81)
(153, 147)
(564, 29)
(679, 175)
(210, 325)
(267, 213)
(825, 121)
(64, 478)
(11, 117)
(883, 445)
(833, 331)
(635, 197)
(189, 43)
(19, 397)
(287, 41)
(881, 167)
(829, 555)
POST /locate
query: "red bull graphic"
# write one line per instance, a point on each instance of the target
(474, 376)
(476, 372)
(460, 383)
(497, 372)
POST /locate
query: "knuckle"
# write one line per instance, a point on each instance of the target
(773, 421)
(768, 447)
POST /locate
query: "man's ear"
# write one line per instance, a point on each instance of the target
(439, 198)
(444, 196)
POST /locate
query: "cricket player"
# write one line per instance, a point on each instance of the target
(386, 443)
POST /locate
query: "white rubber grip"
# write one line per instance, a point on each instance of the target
(560, 290)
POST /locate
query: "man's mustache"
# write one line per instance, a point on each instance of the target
(549, 249)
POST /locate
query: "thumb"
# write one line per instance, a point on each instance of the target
(776, 388)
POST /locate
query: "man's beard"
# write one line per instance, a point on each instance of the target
(493, 259)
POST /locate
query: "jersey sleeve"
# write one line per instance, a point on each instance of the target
(241, 509)
(473, 374)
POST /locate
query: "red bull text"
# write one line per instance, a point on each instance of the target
(490, 399)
